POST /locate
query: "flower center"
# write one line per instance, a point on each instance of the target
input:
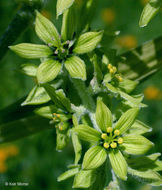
(111, 139)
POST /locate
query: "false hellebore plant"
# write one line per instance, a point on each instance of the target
(83, 113)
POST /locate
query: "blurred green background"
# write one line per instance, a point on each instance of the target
(34, 159)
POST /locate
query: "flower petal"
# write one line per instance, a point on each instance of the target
(136, 144)
(118, 164)
(87, 133)
(31, 51)
(87, 42)
(76, 67)
(94, 158)
(126, 120)
(46, 30)
(48, 70)
(63, 5)
(103, 115)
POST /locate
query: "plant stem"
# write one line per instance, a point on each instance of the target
(18, 25)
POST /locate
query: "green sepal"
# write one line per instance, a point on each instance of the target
(94, 158)
(48, 71)
(144, 163)
(68, 24)
(132, 101)
(31, 51)
(136, 144)
(84, 179)
(87, 42)
(103, 115)
(76, 67)
(111, 88)
(77, 147)
(149, 11)
(126, 120)
(139, 128)
(37, 96)
(149, 176)
(46, 31)
(61, 140)
(68, 174)
(87, 133)
(45, 111)
(63, 5)
(127, 85)
(118, 163)
(29, 69)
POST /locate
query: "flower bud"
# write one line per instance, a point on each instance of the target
(104, 136)
(117, 132)
(120, 140)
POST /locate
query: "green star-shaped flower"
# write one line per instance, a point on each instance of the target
(112, 139)
(58, 51)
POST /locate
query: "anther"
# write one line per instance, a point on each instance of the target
(117, 132)
(104, 136)
(109, 129)
(113, 145)
(120, 140)
(106, 145)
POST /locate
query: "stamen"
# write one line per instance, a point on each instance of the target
(104, 136)
(116, 132)
(113, 145)
(109, 129)
(120, 140)
(106, 145)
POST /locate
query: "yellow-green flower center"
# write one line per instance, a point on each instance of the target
(111, 139)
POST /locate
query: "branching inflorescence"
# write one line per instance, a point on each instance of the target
(79, 89)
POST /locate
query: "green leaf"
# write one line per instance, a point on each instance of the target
(46, 31)
(68, 24)
(118, 164)
(76, 67)
(77, 147)
(63, 5)
(144, 163)
(132, 101)
(22, 128)
(126, 120)
(37, 96)
(87, 42)
(111, 88)
(68, 174)
(94, 158)
(31, 51)
(136, 144)
(45, 111)
(48, 70)
(84, 179)
(87, 133)
(29, 69)
(128, 85)
(149, 175)
(139, 128)
(149, 11)
(103, 116)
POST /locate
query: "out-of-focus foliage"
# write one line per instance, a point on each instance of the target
(36, 161)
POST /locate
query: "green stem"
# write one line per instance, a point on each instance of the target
(18, 25)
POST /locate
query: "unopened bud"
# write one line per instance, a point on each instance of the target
(104, 136)
(117, 132)
(120, 140)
